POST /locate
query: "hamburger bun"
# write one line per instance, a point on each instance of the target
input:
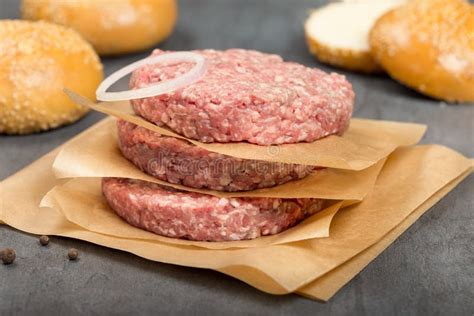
(39, 60)
(428, 45)
(338, 33)
(112, 27)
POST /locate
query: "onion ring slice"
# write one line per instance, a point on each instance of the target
(184, 80)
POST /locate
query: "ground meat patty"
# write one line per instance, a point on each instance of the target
(177, 161)
(202, 217)
(248, 96)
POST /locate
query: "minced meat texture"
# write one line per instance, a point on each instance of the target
(177, 161)
(196, 216)
(248, 96)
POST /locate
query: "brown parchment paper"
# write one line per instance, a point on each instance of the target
(81, 202)
(365, 143)
(51, 222)
(410, 177)
(326, 286)
(97, 155)
(406, 182)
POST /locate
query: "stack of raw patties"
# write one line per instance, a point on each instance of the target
(247, 99)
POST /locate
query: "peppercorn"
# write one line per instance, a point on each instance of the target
(73, 254)
(44, 240)
(7, 255)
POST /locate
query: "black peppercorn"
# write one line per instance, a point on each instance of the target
(73, 254)
(44, 240)
(8, 255)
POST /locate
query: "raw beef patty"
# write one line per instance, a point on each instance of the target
(249, 96)
(202, 217)
(178, 161)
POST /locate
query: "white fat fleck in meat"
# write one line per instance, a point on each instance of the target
(222, 202)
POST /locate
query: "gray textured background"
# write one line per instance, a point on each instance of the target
(429, 269)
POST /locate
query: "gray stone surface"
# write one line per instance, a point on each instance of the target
(428, 270)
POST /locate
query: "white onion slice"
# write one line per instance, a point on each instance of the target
(158, 88)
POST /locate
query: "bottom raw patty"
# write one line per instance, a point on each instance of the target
(196, 216)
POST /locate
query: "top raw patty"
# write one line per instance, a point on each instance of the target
(248, 96)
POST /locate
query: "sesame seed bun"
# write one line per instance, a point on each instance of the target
(112, 27)
(428, 45)
(338, 33)
(38, 61)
